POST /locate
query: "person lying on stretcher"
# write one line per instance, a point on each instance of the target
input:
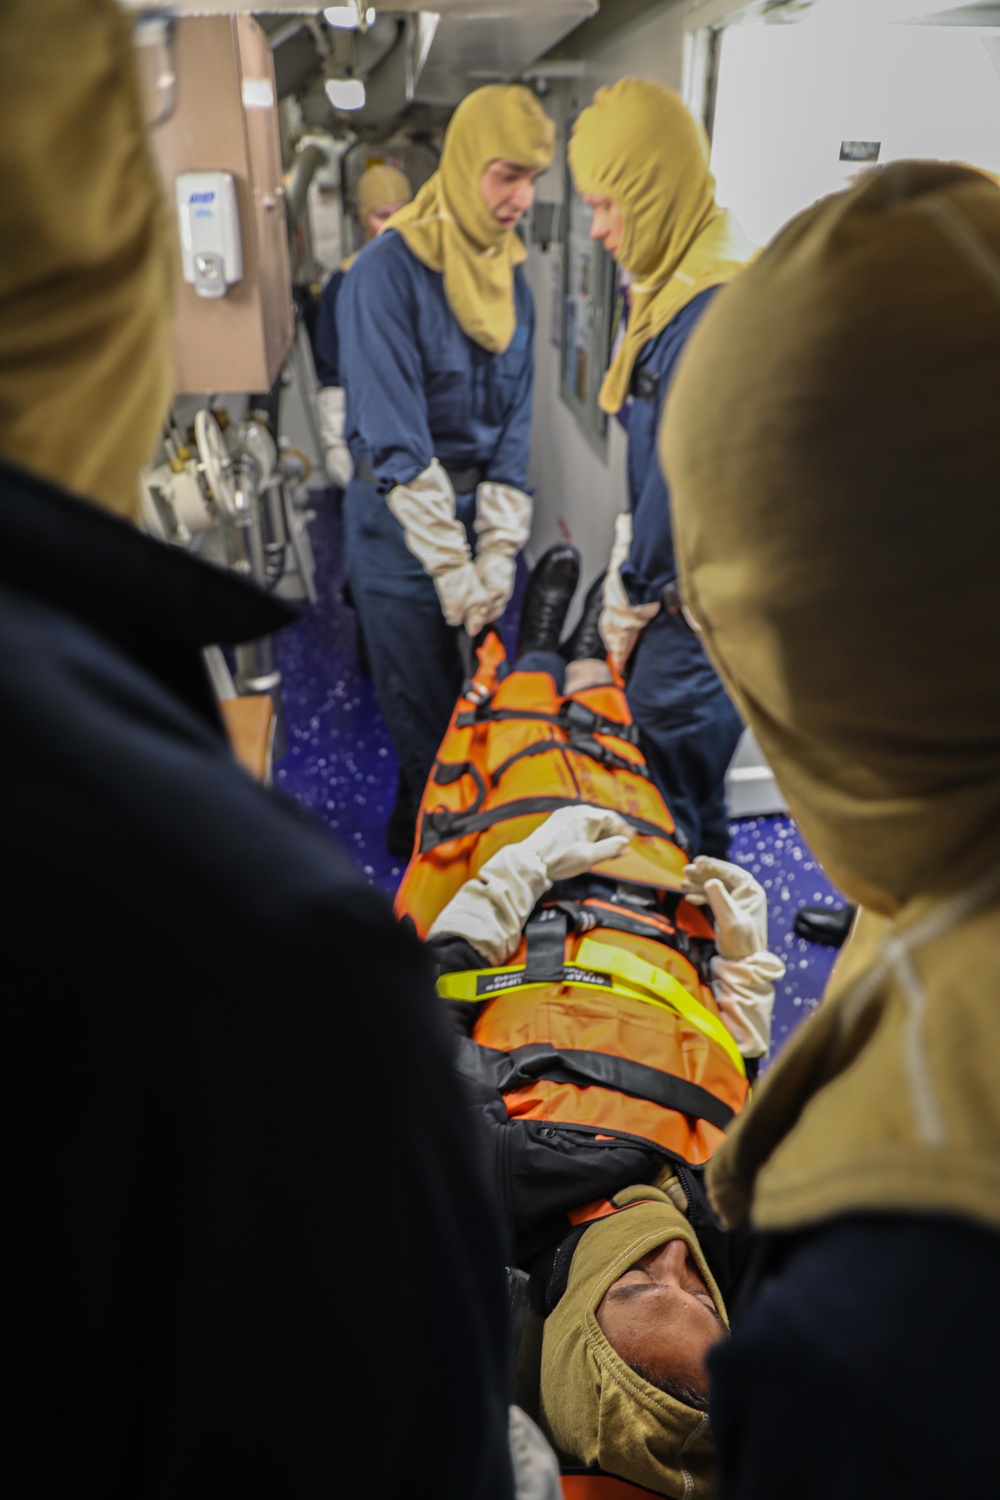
(610, 1001)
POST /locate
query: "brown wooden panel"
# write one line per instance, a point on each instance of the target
(267, 192)
(236, 342)
(250, 725)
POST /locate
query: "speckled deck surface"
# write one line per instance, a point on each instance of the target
(340, 764)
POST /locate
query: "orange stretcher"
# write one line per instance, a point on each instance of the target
(515, 751)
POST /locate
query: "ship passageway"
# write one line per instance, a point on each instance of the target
(340, 764)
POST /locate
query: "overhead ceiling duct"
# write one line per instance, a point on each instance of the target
(474, 41)
(412, 53)
(485, 41)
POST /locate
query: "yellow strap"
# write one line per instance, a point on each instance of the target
(635, 971)
(632, 976)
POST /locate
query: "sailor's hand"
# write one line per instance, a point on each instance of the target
(737, 902)
(744, 993)
(503, 521)
(462, 597)
(491, 909)
(336, 453)
(425, 508)
(744, 972)
(575, 839)
(621, 622)
(496, 574)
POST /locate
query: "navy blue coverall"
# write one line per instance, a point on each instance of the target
(419, 388)
(187, 1232)
(688, 727)
(327, 348)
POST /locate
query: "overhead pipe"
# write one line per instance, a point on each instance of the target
(308, 160)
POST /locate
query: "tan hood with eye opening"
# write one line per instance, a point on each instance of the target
(638, 145)
(831, 449)
(448, 226)
(595, 1409)
(382, 186)
(85, 253)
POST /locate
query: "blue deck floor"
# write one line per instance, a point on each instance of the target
(340, 763)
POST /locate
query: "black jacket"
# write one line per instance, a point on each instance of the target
(248, 1250)
(541, 1171)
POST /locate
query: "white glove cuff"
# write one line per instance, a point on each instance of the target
(491, 909)
(503, 518)
(616, 599)
(425, 508)
(622, 544)
(744, 993)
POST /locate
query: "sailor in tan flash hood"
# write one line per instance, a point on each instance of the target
(437, 325)
(382, 191)
(641, 163)
(606, 1032)
(831, 448)
(600, 1412)
(175, 1228)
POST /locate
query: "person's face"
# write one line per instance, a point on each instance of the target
(660, 1319)
(508, 190)
(376, 221)
(608, 223)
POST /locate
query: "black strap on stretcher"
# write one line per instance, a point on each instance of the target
(446, 773)
(442, 826)
(583, 745)
(538, 1061)
(582, 725)
(548, 928)
(545, 935)
(573, 715)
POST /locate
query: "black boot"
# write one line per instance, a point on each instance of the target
(547, 598)
(824, 924)
(585, 643)
(402, 826)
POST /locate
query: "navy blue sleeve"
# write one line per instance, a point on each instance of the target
(509, 464)
(651, 563)
(327, 342)
(383, 373)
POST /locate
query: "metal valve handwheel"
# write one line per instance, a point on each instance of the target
(216, 462)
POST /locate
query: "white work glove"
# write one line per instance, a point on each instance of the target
(536, 1468)
(621, 622)
(491, 909)
(503, 522)
(336, 454)
(744, 973)
(425, 508)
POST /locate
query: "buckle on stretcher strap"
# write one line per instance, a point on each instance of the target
(599, 966)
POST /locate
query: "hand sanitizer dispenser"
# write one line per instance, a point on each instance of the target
(211, 251)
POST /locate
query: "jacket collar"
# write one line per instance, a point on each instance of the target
(84, 559)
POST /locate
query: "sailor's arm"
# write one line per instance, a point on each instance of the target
(385, 381)
(481, 926)
(490, 910)
(503, 500)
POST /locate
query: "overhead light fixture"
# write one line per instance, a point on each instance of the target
(346, 93)
(349, 17)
